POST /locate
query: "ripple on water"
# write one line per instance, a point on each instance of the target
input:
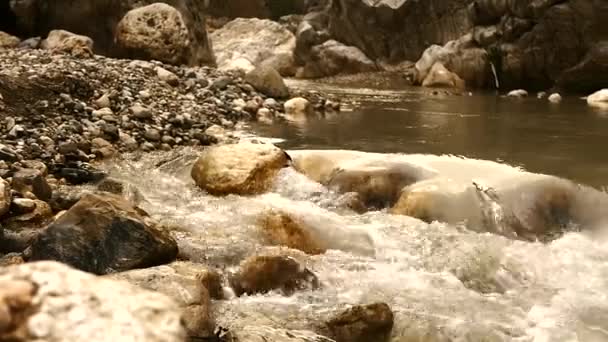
(444, 283)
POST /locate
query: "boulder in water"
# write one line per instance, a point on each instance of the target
(362, 323)
(298, 108)
(280, 228)
(598, 99)
(440, 77)
(260, 41)
(52, 302)
(267, 81)
(244, 169)
(63, 41)
(103, 233)
(332, 58)
(265, 273)
(156, 31)
(180, 281)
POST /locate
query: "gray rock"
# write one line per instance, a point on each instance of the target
(152, 134)
(268, 81)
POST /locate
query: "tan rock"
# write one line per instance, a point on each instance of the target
(8, 41)
(440, 77)
(62, 41)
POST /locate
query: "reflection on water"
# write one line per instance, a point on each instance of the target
(565, 139)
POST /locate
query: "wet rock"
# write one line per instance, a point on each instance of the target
(598, 99)
(267, 81)
(363, 323)
(555, 98)
(440, 77)
(5, 197)
(32, 180)
(21, 230)
(32, 212)
(280, 228)
(332, 58)
(8, 41)
(102, 148)
(259, 41)
(243, 169)
(63, 200)
(53, 302)
(113, 237)
(167, 76)
(298, 108)
(181, 282)
(23, 206)
(62, 41)
(156, 31)
(264, 115)
(261, 274)
(517, 93)
(81, 173)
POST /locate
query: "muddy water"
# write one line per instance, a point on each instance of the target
(444, 281)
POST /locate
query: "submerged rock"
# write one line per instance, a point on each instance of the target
(243, 169)
(183, 282)
(63, 41)
(156, 31)
(363, 323)
(265, 273)
(280, 228)
(103, 233)
(52, 302)
(440, 77)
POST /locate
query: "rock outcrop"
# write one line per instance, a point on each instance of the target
(243, 169)
(49, 301)
(99, 20)
(156, 31)
(259, 41)
(103, 233)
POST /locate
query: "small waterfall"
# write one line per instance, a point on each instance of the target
(496, 83)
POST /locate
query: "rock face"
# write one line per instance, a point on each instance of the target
(243, 169)
(268, 81)
(261, 274)
(62, 41)
(49, 301)
(98, 20)
(363, 323)
(259, 41)
(156, 31)
(273, 9)
(530, 43)
(183, 282)
(332, 58)
(103, 233)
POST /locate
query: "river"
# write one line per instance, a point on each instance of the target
(444, 281)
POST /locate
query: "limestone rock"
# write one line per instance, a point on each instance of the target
(298, 108)
(260, 41)
(243, 169)
(180, 281)
(332, 58)
(373, 322)
(440, 77)
(598, 99)
(52, 302)
(103, 233)
(8, 41)
(156, 31)
(63, 41)
(261, 274)
(267, 81)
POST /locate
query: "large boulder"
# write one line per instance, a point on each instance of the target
(98, 19)
(267, 81)
(440, 77)
(103, 233)
(260, 41)
(8, 41)
(62, 41)
(332, 58)
(183, 282)
(156, 31)
(49, 301)
(243, 169)
(265, 273)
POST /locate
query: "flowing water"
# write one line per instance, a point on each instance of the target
(444, 281)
